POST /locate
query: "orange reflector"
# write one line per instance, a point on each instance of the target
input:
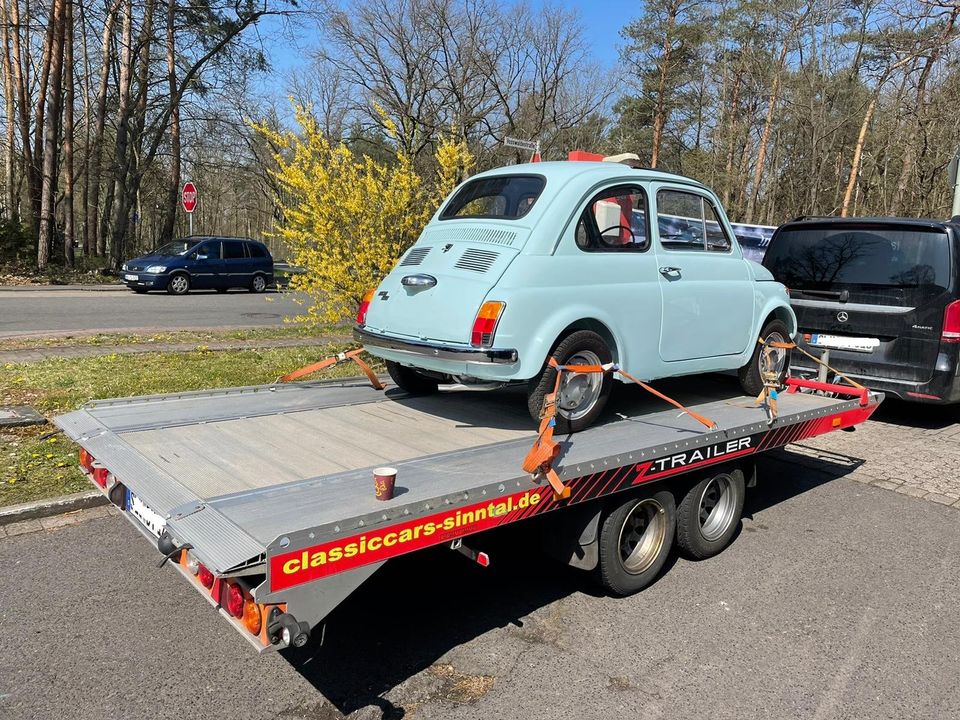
(251, 616)
(835, 422)
(485, 326)
(86, 460)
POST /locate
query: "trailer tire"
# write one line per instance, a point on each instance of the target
(750, 379)
(582, 347)
(709, 514)
(410, 380)
(635, 541)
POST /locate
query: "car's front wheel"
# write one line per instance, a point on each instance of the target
(179, 284)
(769, 362)
(582, 396)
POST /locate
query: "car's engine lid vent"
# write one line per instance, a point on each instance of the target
(494, 236)
(415, 256)
(477, 260)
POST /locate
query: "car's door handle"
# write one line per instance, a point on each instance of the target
(669, 270)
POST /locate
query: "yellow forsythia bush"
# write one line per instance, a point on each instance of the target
(346, 218)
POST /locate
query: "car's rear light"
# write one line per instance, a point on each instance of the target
(86, 460)
(235, 600)
(951, 323)
(204, 576)
(100, 476)
(923, 396)
(364, 306)
(485, 326)
(252, 619)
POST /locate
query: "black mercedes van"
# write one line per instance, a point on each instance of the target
(883, 294)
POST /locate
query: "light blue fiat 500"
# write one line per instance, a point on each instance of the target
(590, 262)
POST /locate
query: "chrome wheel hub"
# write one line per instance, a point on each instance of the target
(717, 507)
(642, 536)
(579, 392)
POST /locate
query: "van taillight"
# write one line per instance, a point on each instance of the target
(485, 326)
(951, 323)
(364, 306)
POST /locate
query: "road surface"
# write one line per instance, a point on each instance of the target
(31, 312)
(837, 600)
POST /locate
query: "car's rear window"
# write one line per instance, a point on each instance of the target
(818, 258)
(504, 197)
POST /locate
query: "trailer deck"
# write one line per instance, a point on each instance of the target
(276, 481)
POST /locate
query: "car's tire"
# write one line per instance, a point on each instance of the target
(258, 284)
(750, 379)
(179, 284)
(222, 290)
(635, 541)
(410, 380)
(582, 347)
(709, 514)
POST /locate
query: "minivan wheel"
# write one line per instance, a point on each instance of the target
(179, 284)
(410, 380)
(258, 284)
(775, 359)
(582, 396)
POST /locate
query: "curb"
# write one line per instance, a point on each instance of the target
(92, 287)
(51, 506)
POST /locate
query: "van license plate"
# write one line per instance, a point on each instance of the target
(845, 343)
(151, 520)
(131, 277)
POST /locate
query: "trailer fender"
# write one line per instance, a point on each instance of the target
(572, 537)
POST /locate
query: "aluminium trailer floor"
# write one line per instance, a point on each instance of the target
(235, 470)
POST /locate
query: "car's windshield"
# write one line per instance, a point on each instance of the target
(823, 257)
(177, 247)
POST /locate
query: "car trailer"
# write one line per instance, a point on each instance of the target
(263, 497)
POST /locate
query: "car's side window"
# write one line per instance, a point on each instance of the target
(615, 220)
(233, 251)
(256, 251)
(211, 250)
(689, 221)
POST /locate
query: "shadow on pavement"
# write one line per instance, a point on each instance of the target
(918, 415)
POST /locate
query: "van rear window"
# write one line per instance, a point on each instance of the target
(504, 197)
(822, 257)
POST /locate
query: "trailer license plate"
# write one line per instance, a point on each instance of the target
(148, 518)
(845, 343)
(131, 277)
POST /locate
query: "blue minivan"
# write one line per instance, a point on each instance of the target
(202, 263)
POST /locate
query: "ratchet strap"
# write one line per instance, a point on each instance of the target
(539, 461)
(333, 360)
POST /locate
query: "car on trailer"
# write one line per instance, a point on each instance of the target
(588, 262)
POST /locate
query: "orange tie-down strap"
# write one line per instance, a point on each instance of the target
(333, 360)
(539, 461)
(794, 346)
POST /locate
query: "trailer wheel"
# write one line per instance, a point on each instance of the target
(708, 515)
(778, 359)
(410, 380)
(635, 540)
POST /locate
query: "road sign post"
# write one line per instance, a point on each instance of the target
(188, 198)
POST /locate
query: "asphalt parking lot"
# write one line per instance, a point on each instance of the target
(837, 600)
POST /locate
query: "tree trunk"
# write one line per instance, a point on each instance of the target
(660, 107)
(21, 69)
(55, 34)
(119, 209)
(10, 199)
(173, 179)
(858, 153)
(68, 227)
(765, 135)
(39, 137)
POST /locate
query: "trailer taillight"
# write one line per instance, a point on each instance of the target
(485, 326)
(100, 476)
(235, 600)
(86, 460)
(951, 323)
(204, 576)
(193, 565)
(252, 619)
(364, 306)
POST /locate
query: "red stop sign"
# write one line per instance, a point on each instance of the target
(189, 197)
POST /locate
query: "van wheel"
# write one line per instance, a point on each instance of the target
(582, 396)
(410, 380)
(709, 514)
(635, 541)
(258, 284)
(775, 360)
(179, 284)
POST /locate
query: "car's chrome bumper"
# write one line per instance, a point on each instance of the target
(439, 351)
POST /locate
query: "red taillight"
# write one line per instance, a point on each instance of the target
(235, 600)
(205, 576)
(100, 475)
(485, 326)
(364, 306)
(951, 323)
(86, 460)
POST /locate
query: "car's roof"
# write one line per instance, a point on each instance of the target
(931, 223)
(201, 238)
(566, 170)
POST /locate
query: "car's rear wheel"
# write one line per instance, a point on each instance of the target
(179, 284)
(410, 380)
(582, 396)
(774, 362)
(258, 284)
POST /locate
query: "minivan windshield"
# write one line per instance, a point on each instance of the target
(825, 257)
(177, 247)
